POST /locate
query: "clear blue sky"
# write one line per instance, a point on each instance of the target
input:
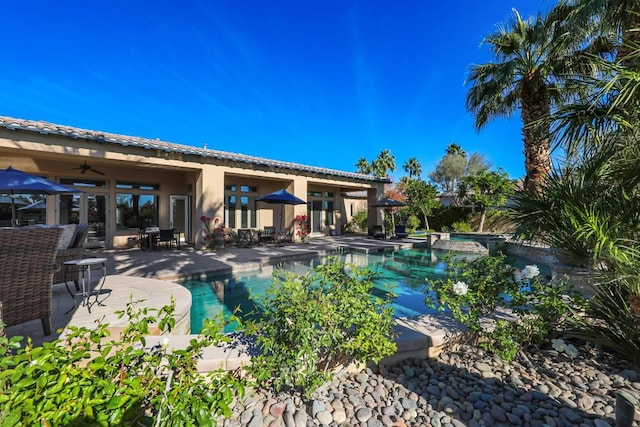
(316, 82)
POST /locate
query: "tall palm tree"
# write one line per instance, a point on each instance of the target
(383, 163)
(413, 167)
(611, 106)
(532, 59)
(363, 166)
(454, 148)
(621, 17)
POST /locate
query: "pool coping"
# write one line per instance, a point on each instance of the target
(419, 336)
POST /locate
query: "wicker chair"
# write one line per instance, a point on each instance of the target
(26, 274)
(74, 251)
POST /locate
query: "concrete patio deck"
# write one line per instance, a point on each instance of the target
(149, 275)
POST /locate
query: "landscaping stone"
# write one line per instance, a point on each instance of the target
(463, 387)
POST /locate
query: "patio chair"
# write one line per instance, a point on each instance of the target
(165, 238)
(377, 232)
(245, 238)
(28, 264)
(75, 250)
(268, 234)
(143, 239)
(401, 231)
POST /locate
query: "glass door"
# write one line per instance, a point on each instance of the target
(96, 205)
(180, 215)
(89, 209)
(315, 216)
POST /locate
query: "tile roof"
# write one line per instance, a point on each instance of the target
(155, 144)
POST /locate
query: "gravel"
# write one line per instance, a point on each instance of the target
(462, 387)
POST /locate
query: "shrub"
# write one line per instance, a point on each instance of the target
(461, 226)
(612, 319)
(91, 378)
(413, 222)
(445, 216)
(313, 323)
(358, 223)
(479, 293)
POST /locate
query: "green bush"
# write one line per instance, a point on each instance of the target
(413, 222)
(478, 293)
(611, 320)
(461, 227)
(445, 216)
(358, 223)
(314, 323)
(92, 378)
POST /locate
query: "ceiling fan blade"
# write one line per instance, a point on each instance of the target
(96, 171)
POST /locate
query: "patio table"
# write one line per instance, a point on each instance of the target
(86, 265)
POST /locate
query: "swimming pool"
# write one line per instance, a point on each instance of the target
(404, 272)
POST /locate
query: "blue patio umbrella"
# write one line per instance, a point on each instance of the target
(13, 181)
(282, 197)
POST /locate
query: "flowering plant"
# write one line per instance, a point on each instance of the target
(483, 292)
(213, 232)
(303, 227)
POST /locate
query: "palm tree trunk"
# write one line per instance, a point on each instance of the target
(535, 132)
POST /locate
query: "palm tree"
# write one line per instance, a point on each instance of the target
(384, 162)
(532, 58)
(454, 148)
(413, 167)
(363, 166)
(620, 17)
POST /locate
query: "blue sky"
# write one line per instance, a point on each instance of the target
(316, 82)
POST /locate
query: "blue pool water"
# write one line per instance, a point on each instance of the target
(403, 272)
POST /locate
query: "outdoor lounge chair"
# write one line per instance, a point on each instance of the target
(26, 278)
(401, 231)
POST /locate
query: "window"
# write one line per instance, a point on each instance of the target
(320, 211)
(137, 186)
(328, 213)
(136, 210)
(79, 182)
(240, 206)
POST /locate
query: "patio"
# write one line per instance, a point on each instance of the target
(130, 272)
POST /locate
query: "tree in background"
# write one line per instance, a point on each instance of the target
(421, 198)
(413, 167)
(485, 189)
(363, 166)
(383, 163)
(454, 148)
(453, 166)
(378, 167)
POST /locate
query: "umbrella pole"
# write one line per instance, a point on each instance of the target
(13, 209)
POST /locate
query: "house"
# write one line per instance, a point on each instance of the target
(132, 181)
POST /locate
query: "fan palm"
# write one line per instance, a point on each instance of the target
(533, 57)
(363, 166)
(413, 167)
(383, 163)
(621, 17)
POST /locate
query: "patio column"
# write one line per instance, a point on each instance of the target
(209, 198)
(297, 187)
(374, 215)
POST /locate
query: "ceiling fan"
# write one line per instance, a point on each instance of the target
(85, 167)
